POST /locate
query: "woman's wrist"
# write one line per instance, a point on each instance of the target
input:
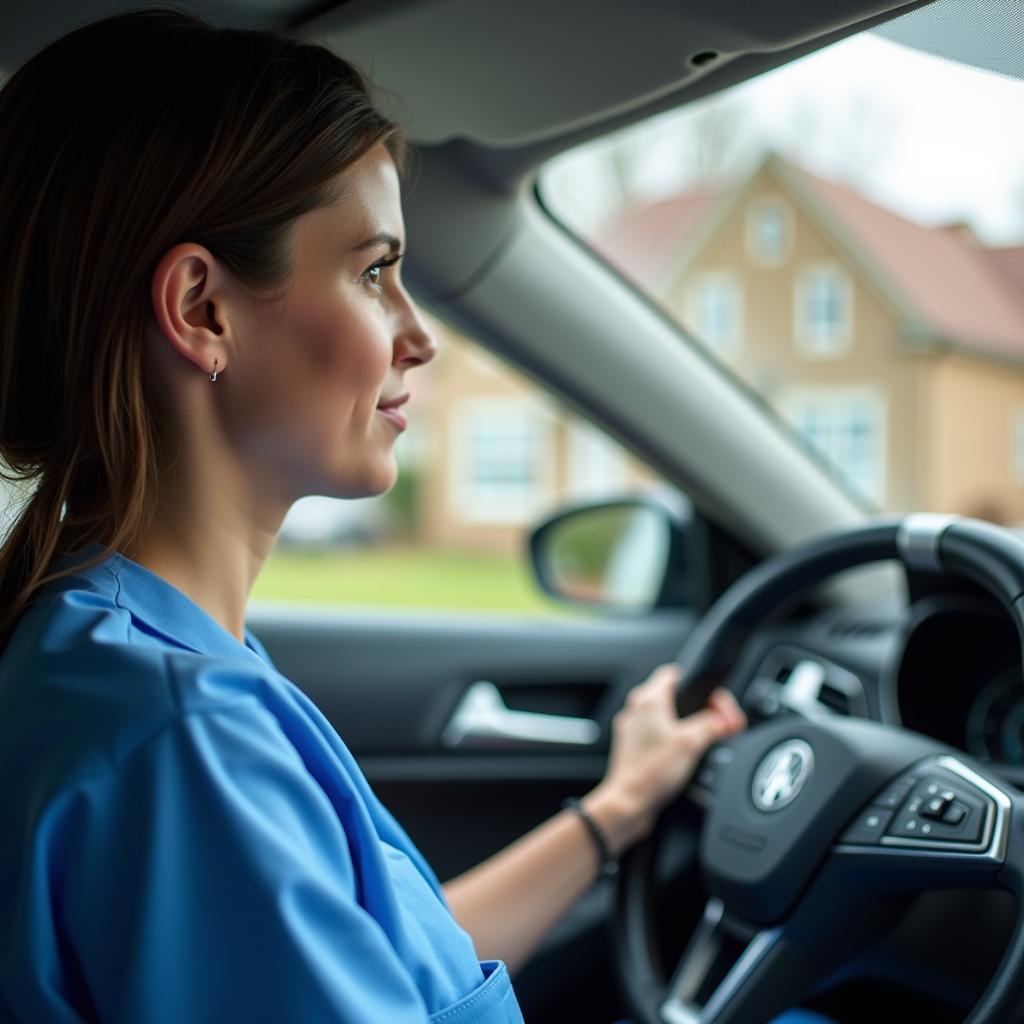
(621, 817)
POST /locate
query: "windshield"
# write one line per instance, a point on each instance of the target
(846, 236)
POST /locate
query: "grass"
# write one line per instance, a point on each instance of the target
(402, 577)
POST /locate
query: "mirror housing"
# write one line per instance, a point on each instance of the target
(626, 555)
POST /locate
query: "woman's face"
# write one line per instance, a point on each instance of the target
(315, 365)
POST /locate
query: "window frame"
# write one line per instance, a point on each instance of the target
(731, 346)
(833, 397)
(1017, 446)
(809, 342)
(588, 448)
(478, 503)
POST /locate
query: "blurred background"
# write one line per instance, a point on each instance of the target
(843, 236)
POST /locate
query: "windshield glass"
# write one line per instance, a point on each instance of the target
(845, 235)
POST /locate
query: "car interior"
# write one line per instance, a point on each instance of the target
(884, 652)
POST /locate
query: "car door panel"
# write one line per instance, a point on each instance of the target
(390, 682)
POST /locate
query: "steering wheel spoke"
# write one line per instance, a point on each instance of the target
(734, 972)
(716, 968)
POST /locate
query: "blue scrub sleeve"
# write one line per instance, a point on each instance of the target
(210, 879)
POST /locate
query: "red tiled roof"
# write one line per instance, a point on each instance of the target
(948, 282)
(1009, 263)
(642, 240)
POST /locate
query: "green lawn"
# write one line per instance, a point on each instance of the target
(403, 577)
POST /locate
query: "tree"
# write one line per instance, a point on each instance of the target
(718, 144)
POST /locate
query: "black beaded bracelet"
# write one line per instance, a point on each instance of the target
(609, 864)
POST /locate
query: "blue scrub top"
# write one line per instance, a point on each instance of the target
(186, 837)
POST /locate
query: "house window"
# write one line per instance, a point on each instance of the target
(847, 429)
(769, 230)
(597, 466)
(715, 312)
(501, 461)
(824, 311)
(1018, 446)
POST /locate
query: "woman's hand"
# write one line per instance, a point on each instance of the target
(512, 900)
(654, 753)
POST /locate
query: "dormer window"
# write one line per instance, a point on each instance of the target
(769, 231)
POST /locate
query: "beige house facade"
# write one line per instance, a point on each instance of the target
(497, 454)
(895, 350)
(976, 421)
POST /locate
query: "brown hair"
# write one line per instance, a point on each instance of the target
(120, 140)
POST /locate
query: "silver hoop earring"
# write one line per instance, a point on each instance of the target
(213, 376)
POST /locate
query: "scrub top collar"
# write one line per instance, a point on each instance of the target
(161, 609)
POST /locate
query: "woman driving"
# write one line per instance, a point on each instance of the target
(204, 321)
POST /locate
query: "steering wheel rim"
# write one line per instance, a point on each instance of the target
(973, 550)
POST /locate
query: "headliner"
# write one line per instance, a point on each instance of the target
(571, 63)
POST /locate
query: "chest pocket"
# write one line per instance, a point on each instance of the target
(491, 1002)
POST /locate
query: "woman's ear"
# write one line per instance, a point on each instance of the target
(190, 305)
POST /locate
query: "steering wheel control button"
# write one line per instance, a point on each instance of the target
(955, 814)
(868, 827)
(967, 831)
(908, 826)
(935, 807)
(893, 796)
(781, 775)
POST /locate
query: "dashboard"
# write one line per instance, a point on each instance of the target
(959, 679)
(948, 666)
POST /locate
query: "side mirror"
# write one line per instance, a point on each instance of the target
(615, 555)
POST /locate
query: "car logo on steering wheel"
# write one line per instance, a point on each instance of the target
(782, 774)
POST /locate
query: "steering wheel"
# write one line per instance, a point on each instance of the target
(820, 830)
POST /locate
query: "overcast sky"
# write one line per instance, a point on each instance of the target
(934, 140)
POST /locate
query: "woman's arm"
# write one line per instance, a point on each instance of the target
(510, 901)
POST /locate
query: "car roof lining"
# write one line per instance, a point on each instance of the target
(583, 74)
(581, 77)
(507, 167)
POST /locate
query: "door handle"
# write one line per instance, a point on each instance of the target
(482, 720)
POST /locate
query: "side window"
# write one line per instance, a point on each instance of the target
(487, 454)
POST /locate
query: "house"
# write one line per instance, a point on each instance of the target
(895, 349)
(495, 455)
